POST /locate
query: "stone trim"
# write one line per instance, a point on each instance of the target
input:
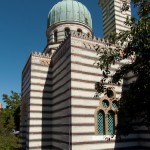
(90, 90)
(50, 112)
(49, 119)
(112, 141)
(60, 125)
(62, 117)
(42, 78)
(106, 111)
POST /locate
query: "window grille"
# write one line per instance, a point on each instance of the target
(114, 104)
(110, 123)
(105, 103)
(100, 123)
(55, 36)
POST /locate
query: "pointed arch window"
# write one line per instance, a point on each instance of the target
(100, 123)
(106, 114)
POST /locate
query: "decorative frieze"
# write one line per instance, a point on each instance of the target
(41, 59)
(45, 62)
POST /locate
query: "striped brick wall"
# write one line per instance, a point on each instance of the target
(25, 102)
(61, 110)
(113, 18)
(40, 102)
(37, 95)
(83, 104)
(58, 108)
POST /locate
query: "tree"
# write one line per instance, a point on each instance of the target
(8, 141)
(13, 103)
(9, 120)
(133, 45)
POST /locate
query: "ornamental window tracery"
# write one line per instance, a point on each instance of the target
(106, 114)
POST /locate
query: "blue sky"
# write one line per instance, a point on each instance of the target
(22, 30)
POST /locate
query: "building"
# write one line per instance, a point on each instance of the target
(59, 111)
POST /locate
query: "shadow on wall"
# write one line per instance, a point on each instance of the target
(56, 107)
(128, 136)
(47, 111)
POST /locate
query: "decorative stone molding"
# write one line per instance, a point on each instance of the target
(98, 43)
(86, 37)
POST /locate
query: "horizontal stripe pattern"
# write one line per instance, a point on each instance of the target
(62, 102)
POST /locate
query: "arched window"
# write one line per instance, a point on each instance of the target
(88, 34)
(79, 31)
(106, 114)
(55, 36)
(67, 32)
(106, 118)
(111, 122)
(100, 122)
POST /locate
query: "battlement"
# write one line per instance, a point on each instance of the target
(85, 37)
(41, 55)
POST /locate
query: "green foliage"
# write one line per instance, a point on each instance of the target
(8, 141)
(9, 120)
(13, 101)
(12, 110)
(133, 45)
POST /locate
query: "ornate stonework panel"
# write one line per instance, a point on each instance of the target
(45, 62)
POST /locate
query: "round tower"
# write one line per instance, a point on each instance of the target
(67, 16)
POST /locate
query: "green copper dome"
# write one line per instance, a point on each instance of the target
(69, 11)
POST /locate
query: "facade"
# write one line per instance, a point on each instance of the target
(59, 110)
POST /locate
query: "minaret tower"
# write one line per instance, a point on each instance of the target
(113, 16)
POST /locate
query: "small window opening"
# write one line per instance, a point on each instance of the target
(79, 31)
(55, 36)
(88, 34)
(67, 32)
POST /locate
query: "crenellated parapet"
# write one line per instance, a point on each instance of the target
(87, 37)
(41, 58)
(41, 55)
